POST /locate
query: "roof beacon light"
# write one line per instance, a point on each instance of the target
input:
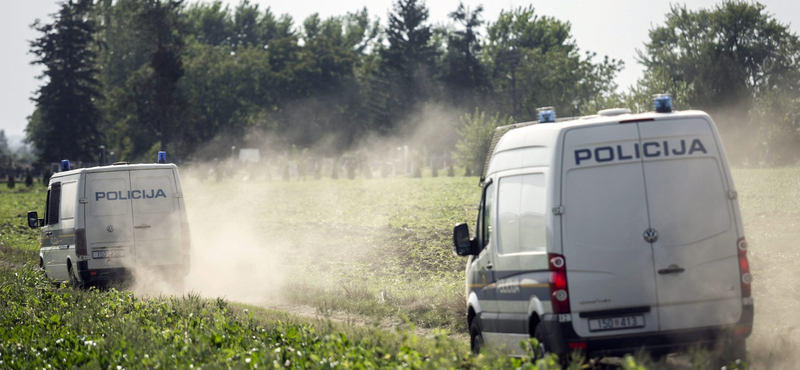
(65, 165)
(546, 114)
(662, 103)
(162, 157)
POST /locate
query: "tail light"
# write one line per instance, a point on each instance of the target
(577, 345)
(80, 242)
(744, 267)
(559, 292)
(186, 241)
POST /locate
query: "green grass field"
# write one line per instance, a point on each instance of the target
(370, 259)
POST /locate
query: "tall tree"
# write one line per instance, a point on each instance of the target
(534, 62)
(155, 115)
(463, 73)
(67, 118)
(211, 23)
(407, 62)
(731, 58)
(727, 54)
(163, 29)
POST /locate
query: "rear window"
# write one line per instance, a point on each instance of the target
(521, 213)
(69, 195)
(53, 202)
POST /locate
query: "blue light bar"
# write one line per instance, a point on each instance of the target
(662, 103)
(162, 157)
(65, 165)
(546, 114)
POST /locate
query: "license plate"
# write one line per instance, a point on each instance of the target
(616, 323)
(108, 254)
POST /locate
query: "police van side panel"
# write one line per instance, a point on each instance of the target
(57, 236)
(518, 286)
(649, 229)
(518, 201)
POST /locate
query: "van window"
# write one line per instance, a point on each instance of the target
(485, 216)
(69, 194)
(108, 197)
(521, 214)
(53, 202)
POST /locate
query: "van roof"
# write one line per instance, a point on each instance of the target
(534, 134)
(113, 168)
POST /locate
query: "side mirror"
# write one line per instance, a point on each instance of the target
(33, 220)
(462, 244)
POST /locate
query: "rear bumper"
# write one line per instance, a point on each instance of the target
(560, 335)
(102, 276)
(108, 275)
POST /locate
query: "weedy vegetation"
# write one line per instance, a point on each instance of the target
(375, 250)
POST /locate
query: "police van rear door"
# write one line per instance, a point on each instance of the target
(109, 232)
(692, 215)
(610, 274)
(156, 217)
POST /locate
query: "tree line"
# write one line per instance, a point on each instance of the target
(138, 76)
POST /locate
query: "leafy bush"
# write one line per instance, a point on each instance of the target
(48, 326)
(476, 135)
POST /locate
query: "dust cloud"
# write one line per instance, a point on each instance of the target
(242, 251)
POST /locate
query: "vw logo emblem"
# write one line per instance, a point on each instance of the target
(110, 228)
(650, 235)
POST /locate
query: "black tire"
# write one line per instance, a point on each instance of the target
(542, 349)
(42, 269)
(729, 351)
(73, 279)
(476, 342)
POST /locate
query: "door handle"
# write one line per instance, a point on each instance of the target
(48, 233)
(142, 226)
(489, 266)
(672, 269)
(63, 246)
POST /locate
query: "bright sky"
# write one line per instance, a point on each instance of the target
(609, 27)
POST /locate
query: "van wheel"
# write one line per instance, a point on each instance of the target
(730, 351)
(73, 280)
(541, 349)
(41, 268)
(476, 342)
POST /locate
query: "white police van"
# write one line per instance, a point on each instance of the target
(106, 223)
(608, 234)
